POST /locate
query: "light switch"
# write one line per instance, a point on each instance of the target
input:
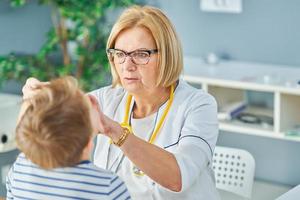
(225, 6)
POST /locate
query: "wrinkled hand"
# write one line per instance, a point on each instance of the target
(101, 122)
(31, 87)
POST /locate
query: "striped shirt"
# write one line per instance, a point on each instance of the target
(28, 181)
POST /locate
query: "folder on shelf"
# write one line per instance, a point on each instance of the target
(231, 110)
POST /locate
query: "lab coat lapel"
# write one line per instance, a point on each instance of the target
(114, 157)
(115, 154)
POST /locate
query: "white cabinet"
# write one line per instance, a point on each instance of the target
(277, 115)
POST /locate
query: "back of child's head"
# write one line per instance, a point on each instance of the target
(56, 126)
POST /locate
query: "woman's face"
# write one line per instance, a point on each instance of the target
(136, 78)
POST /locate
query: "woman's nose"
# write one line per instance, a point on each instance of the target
(128, 64)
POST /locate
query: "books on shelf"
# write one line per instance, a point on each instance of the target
(231, 110)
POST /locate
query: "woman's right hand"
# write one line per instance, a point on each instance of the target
(31, 87)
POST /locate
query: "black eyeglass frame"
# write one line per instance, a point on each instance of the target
(111, 51)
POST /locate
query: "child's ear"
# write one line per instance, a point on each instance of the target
(87, 151)
(90, 144)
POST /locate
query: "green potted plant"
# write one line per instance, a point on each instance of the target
(75, 45)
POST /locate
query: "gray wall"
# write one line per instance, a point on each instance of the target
(22, 29)
(267, 31)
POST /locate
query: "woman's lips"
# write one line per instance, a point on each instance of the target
(127, 79)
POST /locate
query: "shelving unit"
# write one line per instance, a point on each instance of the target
(230, 82)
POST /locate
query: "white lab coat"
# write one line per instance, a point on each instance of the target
(190, 132)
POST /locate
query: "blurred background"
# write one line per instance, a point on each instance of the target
(46, 39)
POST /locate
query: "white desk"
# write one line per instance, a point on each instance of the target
(261, 191)
(293, 194)
(9, 110)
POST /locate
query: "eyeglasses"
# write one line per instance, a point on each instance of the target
(138, 57)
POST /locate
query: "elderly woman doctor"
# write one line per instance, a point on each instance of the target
(158, 133)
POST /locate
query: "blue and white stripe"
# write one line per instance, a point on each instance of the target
(84, 181)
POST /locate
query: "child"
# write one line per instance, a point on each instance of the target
(54, 133)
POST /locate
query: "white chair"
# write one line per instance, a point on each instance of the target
(234, 170)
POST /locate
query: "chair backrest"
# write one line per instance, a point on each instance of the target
(234, 170)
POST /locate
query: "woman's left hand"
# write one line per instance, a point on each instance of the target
(102, 123)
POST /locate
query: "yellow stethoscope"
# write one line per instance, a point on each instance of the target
(153, 136)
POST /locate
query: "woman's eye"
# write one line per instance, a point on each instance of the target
(119, 54)
(141, 55)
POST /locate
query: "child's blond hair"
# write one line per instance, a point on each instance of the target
(56, 125)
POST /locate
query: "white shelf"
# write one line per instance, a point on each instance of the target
(255, 131)
(236, 126)
(228, 82)
(241, 84)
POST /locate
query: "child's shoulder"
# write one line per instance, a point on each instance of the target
(22, 160)
(23, 164)
(84, 168)
(96, 171)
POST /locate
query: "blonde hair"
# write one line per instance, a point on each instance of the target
(56, 126)
(170, 59)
